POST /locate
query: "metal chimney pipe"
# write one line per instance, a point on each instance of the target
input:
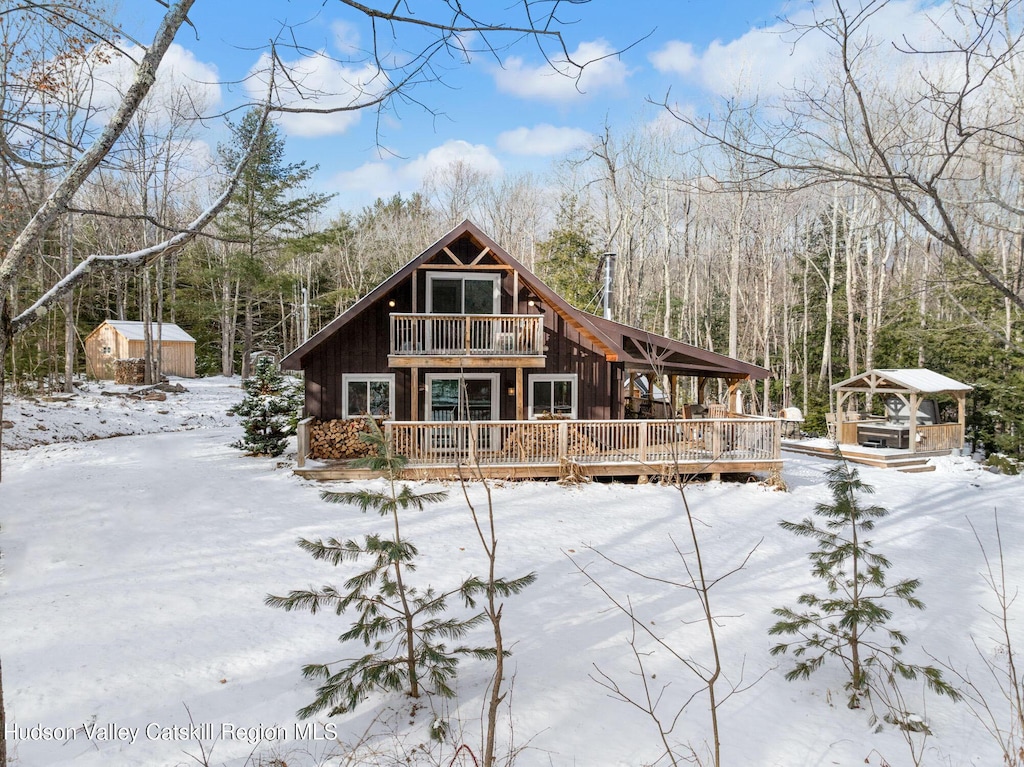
(609, 276)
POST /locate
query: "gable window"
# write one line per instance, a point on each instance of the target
(463, 293)
(364, 395)
(554, 395)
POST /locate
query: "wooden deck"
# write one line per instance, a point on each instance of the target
(552, 449)
(880, 457)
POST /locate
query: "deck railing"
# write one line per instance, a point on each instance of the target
(458, 335)
(537, 443)
(943, 436)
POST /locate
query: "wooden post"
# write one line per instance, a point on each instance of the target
(840, 399)
(961, 418)
(520, 398)
(563, 439)
(913, 421)
(414, 383)
(733, 388)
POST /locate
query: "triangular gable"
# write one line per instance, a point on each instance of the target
(442, 252)
(919, 380)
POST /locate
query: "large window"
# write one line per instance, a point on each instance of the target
(364, 395)
(553, 395)
(463, 293)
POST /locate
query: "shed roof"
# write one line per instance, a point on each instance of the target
(919, 380)
(135, 331)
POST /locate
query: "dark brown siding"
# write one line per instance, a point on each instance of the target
(361, 346)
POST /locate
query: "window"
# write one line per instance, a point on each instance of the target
(364, 395)
(553, 395)
(463, 293)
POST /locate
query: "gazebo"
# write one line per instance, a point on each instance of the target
(912, 422)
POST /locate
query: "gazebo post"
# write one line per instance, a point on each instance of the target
(914, 403)
(961, 417)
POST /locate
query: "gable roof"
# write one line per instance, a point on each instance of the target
(135, 331)
(619, 343)
(919, 380)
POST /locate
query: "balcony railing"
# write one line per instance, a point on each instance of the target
(467, 335)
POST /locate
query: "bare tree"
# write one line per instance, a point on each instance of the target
(924, 125)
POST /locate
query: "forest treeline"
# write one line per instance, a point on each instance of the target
(862, 228)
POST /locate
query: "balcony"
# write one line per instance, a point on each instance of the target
(468, 340)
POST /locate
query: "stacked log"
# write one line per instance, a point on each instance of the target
(537, 440)
(338, 439)
(130, 370)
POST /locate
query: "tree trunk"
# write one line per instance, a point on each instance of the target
(247, 334)
(3, 716)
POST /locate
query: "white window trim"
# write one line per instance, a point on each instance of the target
(494, 378)
(347, 378)
(573, 378)
(494, 278)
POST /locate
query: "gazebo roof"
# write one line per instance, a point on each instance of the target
(917, 380)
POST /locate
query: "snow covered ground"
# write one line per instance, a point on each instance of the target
(135, 570)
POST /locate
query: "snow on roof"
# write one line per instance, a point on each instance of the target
(914, 379)
(134, 331)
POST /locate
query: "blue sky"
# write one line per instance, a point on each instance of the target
(500, 120)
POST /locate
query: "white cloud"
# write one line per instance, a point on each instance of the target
(675, 56)
(768, 60)
(180, 72)
(346, 37)
(543, 140)
(592, 67)
(385, 178)
(318, 82)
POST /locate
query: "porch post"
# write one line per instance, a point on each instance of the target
(414, 384)
(733, 388)
(520, 399)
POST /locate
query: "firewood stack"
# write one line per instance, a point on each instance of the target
(334, 440)
(131, 370)
(535, 440)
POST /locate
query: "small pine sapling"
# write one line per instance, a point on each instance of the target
(405, 627)
(269, 410)
(850, 621)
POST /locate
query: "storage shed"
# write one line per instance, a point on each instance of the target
(119, 339)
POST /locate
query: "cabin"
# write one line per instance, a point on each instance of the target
(897, 418)
(467, 358)
(114, 340)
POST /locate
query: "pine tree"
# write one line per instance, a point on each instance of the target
(266, 210)
(850, 622)
(568, 261)
(404, 626)
(269, 410)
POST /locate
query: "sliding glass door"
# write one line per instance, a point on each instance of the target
(466, 397)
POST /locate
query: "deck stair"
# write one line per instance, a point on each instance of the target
(882, 458)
